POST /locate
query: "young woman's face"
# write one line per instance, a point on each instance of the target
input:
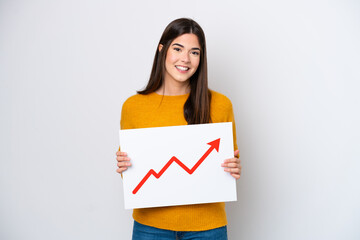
(182, 59)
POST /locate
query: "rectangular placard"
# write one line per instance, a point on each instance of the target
(178, 165)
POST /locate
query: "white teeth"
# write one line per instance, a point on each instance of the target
(182, 68)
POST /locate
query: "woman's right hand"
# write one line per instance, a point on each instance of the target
(123, 161)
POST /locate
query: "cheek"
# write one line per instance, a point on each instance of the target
(170, 58)
(196, 63)
(168, 64)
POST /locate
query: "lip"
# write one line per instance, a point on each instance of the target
(182, 71)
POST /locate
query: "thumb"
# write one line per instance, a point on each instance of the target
(236, 153)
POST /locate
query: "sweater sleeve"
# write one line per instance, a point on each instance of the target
(222, 111)
(231, 118)
(125, 119)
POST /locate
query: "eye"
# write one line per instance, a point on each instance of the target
(177, 49)
(195, 53)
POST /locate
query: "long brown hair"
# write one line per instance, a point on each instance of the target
(197, 106)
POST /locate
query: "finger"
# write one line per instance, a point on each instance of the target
(232, 170)
(237, 160)
(119, 159)
(236, 153)
(120, 170)
(123, 164)
(235, 175)
(118, 153)
(230, 165)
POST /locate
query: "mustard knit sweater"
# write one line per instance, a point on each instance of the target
(154, 110)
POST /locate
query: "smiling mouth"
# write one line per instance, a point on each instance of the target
(181, 68)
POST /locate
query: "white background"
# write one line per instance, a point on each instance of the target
(291, 69)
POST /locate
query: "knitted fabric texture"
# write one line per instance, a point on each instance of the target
(154, 110)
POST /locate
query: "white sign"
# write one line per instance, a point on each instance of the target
(178, 165)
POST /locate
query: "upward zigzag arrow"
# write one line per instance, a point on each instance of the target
(213, 145)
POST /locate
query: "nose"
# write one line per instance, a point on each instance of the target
(185, 57)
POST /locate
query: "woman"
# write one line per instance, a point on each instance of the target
(177, 94)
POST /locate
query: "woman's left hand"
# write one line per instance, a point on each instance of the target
(233, 166)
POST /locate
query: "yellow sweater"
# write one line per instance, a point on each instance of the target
(154, 110)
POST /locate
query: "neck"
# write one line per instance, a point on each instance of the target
(173, 90)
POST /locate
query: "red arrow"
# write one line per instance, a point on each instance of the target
(213, 145)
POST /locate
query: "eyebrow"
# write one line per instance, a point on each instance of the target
(178, 44)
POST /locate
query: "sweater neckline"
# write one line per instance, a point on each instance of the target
(171, 97)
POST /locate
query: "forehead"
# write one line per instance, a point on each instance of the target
(188, 40)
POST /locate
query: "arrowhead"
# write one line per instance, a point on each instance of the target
(215, 144)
